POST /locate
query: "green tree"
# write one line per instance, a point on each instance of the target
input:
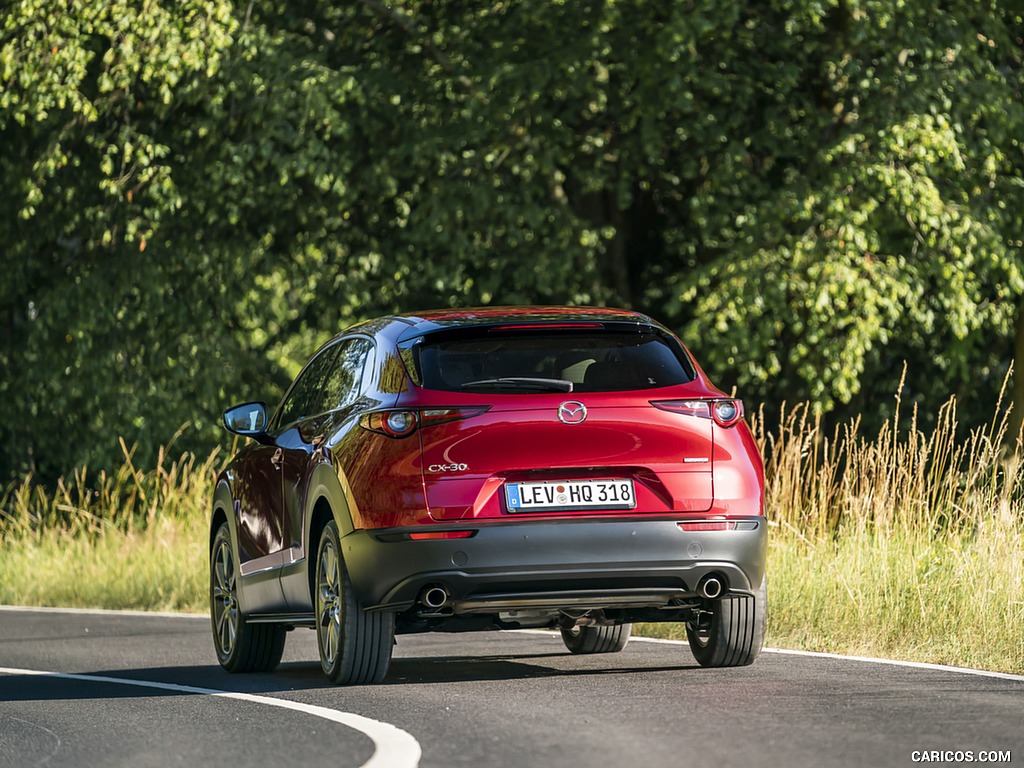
(96, 315)
(196, 193)
(892, 231)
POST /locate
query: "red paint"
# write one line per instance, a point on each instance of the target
(463, 447)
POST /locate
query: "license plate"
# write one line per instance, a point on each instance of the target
(570, 494)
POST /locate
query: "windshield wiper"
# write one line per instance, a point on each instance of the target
(521, 382)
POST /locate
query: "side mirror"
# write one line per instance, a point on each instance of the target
(248, 419)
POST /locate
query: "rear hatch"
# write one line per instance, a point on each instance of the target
(542, 421)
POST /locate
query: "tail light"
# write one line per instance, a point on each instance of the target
(700, 408)
(431, 416)
(390, 423)
(725, 411)
(403, 422)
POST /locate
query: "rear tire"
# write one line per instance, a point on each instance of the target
(355, 646)
(597, 639)
(733, 633)
(241, 646)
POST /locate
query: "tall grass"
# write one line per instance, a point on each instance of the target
(130, 539)
(902, 543)
(905, 543)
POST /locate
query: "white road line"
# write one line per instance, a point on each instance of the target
(819, 655)
(393, 747)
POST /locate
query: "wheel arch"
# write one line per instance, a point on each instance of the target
(223, 512)
(328, 500)
(321, 515)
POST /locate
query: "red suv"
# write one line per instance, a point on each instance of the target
(498, 468)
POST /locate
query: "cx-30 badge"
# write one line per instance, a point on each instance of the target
(572, 412)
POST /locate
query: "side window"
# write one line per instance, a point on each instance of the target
(306, 395)
(344, 382)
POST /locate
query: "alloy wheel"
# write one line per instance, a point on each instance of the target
(225, 601)
(328, 602)
(700, 628)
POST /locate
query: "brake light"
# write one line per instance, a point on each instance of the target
(546, 326)
(699, 408)
(403, 422)
(726, 412)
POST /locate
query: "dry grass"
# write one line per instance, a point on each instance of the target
(131, 539)
(161, 568)
(902, 544)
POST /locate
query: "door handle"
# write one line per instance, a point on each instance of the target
(277, 459)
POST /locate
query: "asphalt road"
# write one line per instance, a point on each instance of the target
(138, 690)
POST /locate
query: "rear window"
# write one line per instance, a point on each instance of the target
(528, 362)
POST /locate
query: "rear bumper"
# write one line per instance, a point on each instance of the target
(568, 563)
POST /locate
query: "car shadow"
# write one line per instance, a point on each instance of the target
(467, 669)
(304, 675)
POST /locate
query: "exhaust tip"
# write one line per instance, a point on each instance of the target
(710, 587)
(435, 597)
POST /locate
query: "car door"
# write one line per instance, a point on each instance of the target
(305, 445)
(262, 532)
(256, 486)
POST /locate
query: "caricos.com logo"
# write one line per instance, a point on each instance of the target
(959, 756)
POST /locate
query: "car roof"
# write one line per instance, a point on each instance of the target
(472, 315)
(421, 323)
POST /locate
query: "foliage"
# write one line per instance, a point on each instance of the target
(896, 236)
(196, 193)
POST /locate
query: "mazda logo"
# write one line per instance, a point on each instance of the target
(572, 412)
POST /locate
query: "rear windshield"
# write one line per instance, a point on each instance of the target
(529, 362)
